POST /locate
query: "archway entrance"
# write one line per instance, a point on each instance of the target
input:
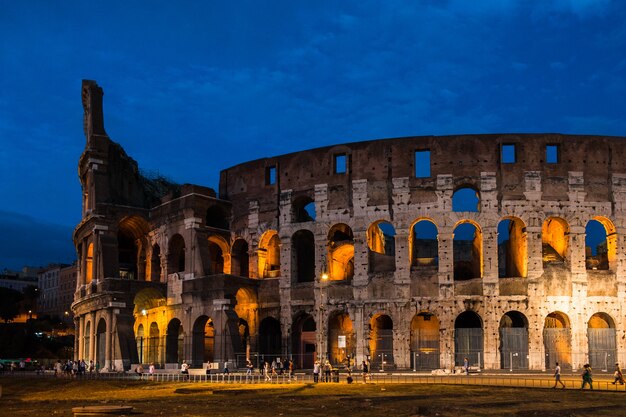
(101, 333)
(340, 338)
(601, 339)
(381, 341)
(203, 341)
(557, 340)
(303, 334)
(270, 338)
(468, 339)
(425, 342)
(173, 342)
(514, 341)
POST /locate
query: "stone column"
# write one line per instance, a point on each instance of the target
(80, 335)
(535, 251)
(446, 263)
(403, 263)
(577, 262)
(77, 344)
(361, 337)
(490, 261)
(108, 350)
(92, 338)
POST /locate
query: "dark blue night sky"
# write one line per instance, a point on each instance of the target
(193, 87)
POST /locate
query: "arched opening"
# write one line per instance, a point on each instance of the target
(381, 341)
(203, 341)
(468, 339)
(218, 248)
(465, 199)
(381, 245)
(341, 338)
(303, 209)
(514, 341)
(303, 337)
(303, 256)
(269, 255)
(600, 244)
(341, 252)
(87, 346)
(601, 339)
(555, 240)
(557, 340)
(101, 333)
(140, 342)
(176, 262)
(131, 248)
(468, 254)
(173, 342)
(512, 248)
(155, 264)
(423, 245)
(240, 259)
(89, 264)
(217, 217)
(425, 341)
(154, 342)
(270, 337)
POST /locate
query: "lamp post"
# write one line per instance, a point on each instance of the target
(323, 280)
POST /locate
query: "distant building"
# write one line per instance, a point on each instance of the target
(19, 280)
(56, 287)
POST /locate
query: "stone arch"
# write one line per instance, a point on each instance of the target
(217, 217)
(513, 341)
(89, 264)
(303, 256)
(340, 324)
(555, 240)
(140, 341)
(424, 341)
(512, 248)
(131, 247)
(176, 254)
(303, 209)
(174, 342)
(467, 251)
(219, 255)
(269, 255)
(340, 252)
(203, 341)
(381, 246)
(601, 339)
(381, 340)
(147, 299)
(155, 263)
(303, 333)
(423, 244)
(600, 244)
(101, 335)
(270, 337)
(154, 344)
(468, 339)
(557, 340)
(466, 199)
(240, 258)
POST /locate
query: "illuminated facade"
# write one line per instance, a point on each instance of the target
(505, 249)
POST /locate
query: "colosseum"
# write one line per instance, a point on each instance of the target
(412, 253)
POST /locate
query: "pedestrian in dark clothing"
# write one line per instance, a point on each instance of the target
(587, 379)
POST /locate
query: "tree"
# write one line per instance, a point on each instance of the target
(9, 303)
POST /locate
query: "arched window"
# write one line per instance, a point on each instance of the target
(89, 264)
(341, 252)
(269, 255)
(303, 256)
(555, 240)
(465, 199)
(176, 262)
(600, 244)
(155, 263)
(303, 209)
(239, 261)
(218, 249)
(512, 248)
(467, 250)
(424, 247)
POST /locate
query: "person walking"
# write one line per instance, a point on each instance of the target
(366, 371)
(587, 378)
(266, 372)
(291, 376)
(249, 368)
(618, 377)
(557, 376)
(316, 371)
(466, 366)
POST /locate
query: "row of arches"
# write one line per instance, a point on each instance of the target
(155, 345)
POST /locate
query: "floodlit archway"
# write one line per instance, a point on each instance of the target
(89, 264)
(600, 244)
(303, 337)
(203, 341)
(154, 342)
(425, 341)
(340, 252)
(218, 251)
(101, 333)
(381, 245)
(341, 337)
(555, 240)
(557, 340)
(131, 248)
(303, 256)
(512, 248)
(174, 342)
(381, 340)
(140, 340)
(468, 339)
(240, 259)
(513, 341)
(269, 255)
(87, 345)
(601, 341)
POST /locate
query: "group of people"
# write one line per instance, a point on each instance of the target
(76, 368)
(587, 376)
(276, 368)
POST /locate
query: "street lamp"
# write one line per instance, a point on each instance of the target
(323, 280)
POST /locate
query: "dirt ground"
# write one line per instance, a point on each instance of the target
(56, 397)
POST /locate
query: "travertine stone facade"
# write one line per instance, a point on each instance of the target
(353, 252)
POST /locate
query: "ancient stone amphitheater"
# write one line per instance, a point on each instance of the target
(412, 252)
